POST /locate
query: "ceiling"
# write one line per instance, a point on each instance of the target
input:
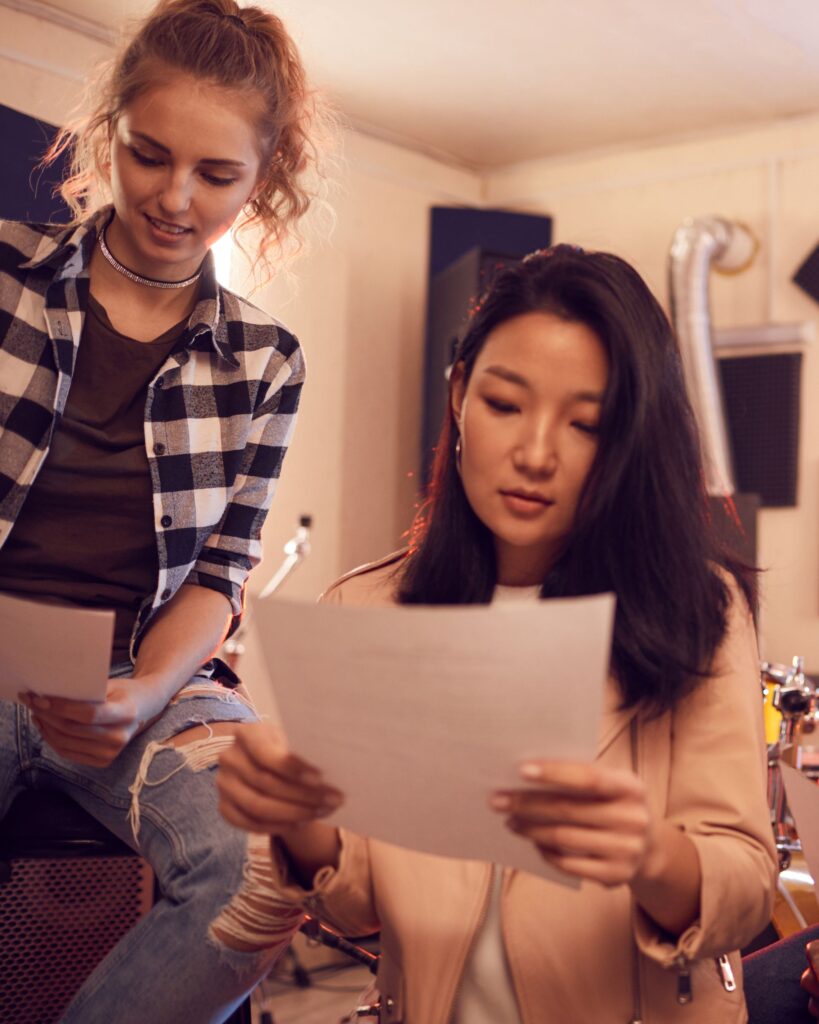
(482, 83)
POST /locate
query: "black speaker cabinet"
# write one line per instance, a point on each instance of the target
(69, 891)
(762, 407)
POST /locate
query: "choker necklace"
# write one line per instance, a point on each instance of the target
(151, 282)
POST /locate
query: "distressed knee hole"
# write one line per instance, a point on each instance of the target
(257, 918)
(198, 747)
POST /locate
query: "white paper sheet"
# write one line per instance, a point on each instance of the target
(53, 649)
(418, 714)
(803, 800)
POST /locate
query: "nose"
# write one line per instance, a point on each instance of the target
(175, 196)
(536, 450)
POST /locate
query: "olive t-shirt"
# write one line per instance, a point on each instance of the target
(85, 533)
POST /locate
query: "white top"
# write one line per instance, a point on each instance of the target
(486, 994)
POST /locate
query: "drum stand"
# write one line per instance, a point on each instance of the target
(795, 699)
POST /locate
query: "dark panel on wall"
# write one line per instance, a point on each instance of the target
(25, 191)
(454, 229)
(466, 247)
(762, 403)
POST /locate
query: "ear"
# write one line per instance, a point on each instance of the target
(457, 390)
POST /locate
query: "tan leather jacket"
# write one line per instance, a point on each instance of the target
(585, 955)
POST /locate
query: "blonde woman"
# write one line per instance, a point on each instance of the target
(144, 414)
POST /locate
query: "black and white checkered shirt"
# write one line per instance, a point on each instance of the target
(219, 414)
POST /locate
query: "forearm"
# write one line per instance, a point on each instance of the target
(183, 636)
(308, 848)
(668, 885)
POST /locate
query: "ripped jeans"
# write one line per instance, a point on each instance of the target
(209, 938)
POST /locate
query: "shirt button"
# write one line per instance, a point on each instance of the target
(159, 448)
(166, 594)
(165, 521)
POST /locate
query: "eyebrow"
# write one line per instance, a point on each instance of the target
(206, 160)
(516, 378)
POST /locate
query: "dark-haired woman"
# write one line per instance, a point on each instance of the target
(144, 414)
(569, 465)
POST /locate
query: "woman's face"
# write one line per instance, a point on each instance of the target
(184, 161)
(528, 421)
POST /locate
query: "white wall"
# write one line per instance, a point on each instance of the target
(631, 203)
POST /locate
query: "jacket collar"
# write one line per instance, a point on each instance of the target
(614, 718)
(70, 251)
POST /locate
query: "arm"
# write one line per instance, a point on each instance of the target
(234, 546)
(594, 822)
(182, 636)
(701, 863)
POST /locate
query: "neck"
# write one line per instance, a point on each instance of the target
(138, 312)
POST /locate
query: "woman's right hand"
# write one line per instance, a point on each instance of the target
(263, 787)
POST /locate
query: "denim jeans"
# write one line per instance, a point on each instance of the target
(171, 967)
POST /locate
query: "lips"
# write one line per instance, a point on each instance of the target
(167, 226)
(528, 496)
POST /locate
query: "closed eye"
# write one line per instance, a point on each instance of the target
(143, 158)
(500, 406)
(586, 428)
(214, 179)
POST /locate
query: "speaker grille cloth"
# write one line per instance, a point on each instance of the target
(58, 918)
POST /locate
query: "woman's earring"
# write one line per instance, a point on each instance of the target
(458, 454)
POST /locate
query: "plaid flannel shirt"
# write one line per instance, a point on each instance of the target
(218, 418)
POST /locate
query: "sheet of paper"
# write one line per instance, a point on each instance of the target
(803, 800)
(53, 649)
(419, 714)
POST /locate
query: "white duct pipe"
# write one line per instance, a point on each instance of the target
(696, 245)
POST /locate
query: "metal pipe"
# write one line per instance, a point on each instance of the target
(698, 244)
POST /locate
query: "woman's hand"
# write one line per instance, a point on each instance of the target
(263, 787)
(587, 820)
(594, 822)
(96, 732)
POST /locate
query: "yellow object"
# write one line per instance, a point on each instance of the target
(772, 717)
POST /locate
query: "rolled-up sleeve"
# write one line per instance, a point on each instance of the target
(234, 547)
(717, 795)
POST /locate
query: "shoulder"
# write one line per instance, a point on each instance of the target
(21, 241)
(372, 584)
(249, 328)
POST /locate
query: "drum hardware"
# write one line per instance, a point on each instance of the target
(794, 698)
(295, 551)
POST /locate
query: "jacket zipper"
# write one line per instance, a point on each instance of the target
(495, 873)
(685, 992)
(726, 973)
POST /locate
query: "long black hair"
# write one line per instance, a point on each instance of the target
(642, 527)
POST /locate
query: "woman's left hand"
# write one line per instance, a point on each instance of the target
(587, 820)
(95, 733)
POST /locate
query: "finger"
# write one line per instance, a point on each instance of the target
(94, 734)
(533, 807)
(256, 759)
(608, 873)
(809, 982)
(79, 752)
(259, 812)
(580, 780)
(239, 774)
(584, 842)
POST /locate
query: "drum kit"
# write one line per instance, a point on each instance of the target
(791, 712)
